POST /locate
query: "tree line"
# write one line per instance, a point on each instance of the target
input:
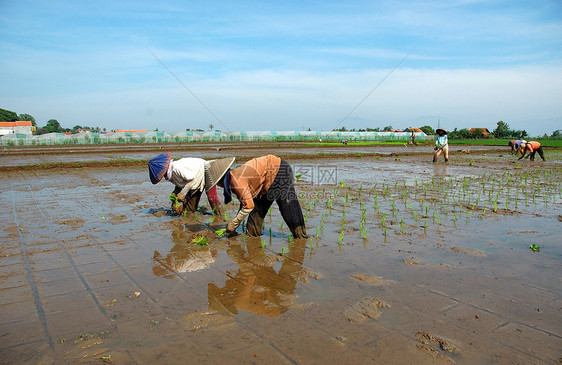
(502, 130)
(52, 125)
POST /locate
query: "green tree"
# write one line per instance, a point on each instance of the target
(427, 130)
(502, 130)
(388, 128)
(7, 115)
(52, 126)
(27, 117)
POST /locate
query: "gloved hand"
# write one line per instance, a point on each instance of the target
(182, 197)
(231, 227)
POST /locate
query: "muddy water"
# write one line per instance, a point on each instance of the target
(17, 156)
(407, 262)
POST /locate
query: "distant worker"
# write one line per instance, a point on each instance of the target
(190, 176)
(257, 184)
(515, 145)
(532, 147)
(441, 145)
(413, 137)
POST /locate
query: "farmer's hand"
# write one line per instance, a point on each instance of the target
(181, 197)
(231, 227)
(178, 208)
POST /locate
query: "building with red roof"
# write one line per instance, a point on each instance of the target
(19, 126)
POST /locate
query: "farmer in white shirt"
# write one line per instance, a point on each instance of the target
(190, 176)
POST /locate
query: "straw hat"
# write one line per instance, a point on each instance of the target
(158, 166)
(215, 169)
(440, 129)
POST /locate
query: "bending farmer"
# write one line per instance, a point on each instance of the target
(516, 145)
(532, 147)
(257, 184)
(441, 145)
(190, 176)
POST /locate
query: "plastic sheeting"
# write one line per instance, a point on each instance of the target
(18, 139)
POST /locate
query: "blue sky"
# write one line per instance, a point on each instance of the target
(283, 65)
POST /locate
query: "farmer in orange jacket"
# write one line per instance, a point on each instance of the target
(532, 147)
(257, 184)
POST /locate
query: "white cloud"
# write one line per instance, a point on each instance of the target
(269, 99)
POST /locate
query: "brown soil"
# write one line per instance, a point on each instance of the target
(365, 308)
(69, 278)
(469, 251)
(371, 279)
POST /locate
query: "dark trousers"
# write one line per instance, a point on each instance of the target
(541, 153)
(283, 192)
(192, 201)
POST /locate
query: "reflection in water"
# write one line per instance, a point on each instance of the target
(257, 287)
(183, 257)
(440, 169)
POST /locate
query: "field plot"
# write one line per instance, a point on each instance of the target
(406, 262)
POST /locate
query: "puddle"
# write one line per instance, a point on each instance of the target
(407, 261)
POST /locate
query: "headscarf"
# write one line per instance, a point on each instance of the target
(158, 166)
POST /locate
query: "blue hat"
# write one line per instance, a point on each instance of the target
(158, 166)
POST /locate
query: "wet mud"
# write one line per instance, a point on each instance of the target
(406, 262)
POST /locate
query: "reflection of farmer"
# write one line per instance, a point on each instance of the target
(441, 145)
(516, 145)
(532, 147)
(182, 259)
(257, 287)
(257, 184)
(190, 176)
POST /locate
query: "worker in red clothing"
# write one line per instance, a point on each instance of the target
(257, 184)
(532, 147)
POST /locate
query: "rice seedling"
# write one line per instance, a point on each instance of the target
(200, 240)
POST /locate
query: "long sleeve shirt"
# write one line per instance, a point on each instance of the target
(252, 179)
(188, 174)
(442, 141)
(518, 143)
(531, 146)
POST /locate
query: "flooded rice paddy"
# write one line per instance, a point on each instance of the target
(406, 262)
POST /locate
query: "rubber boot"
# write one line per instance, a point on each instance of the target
(446, 160)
